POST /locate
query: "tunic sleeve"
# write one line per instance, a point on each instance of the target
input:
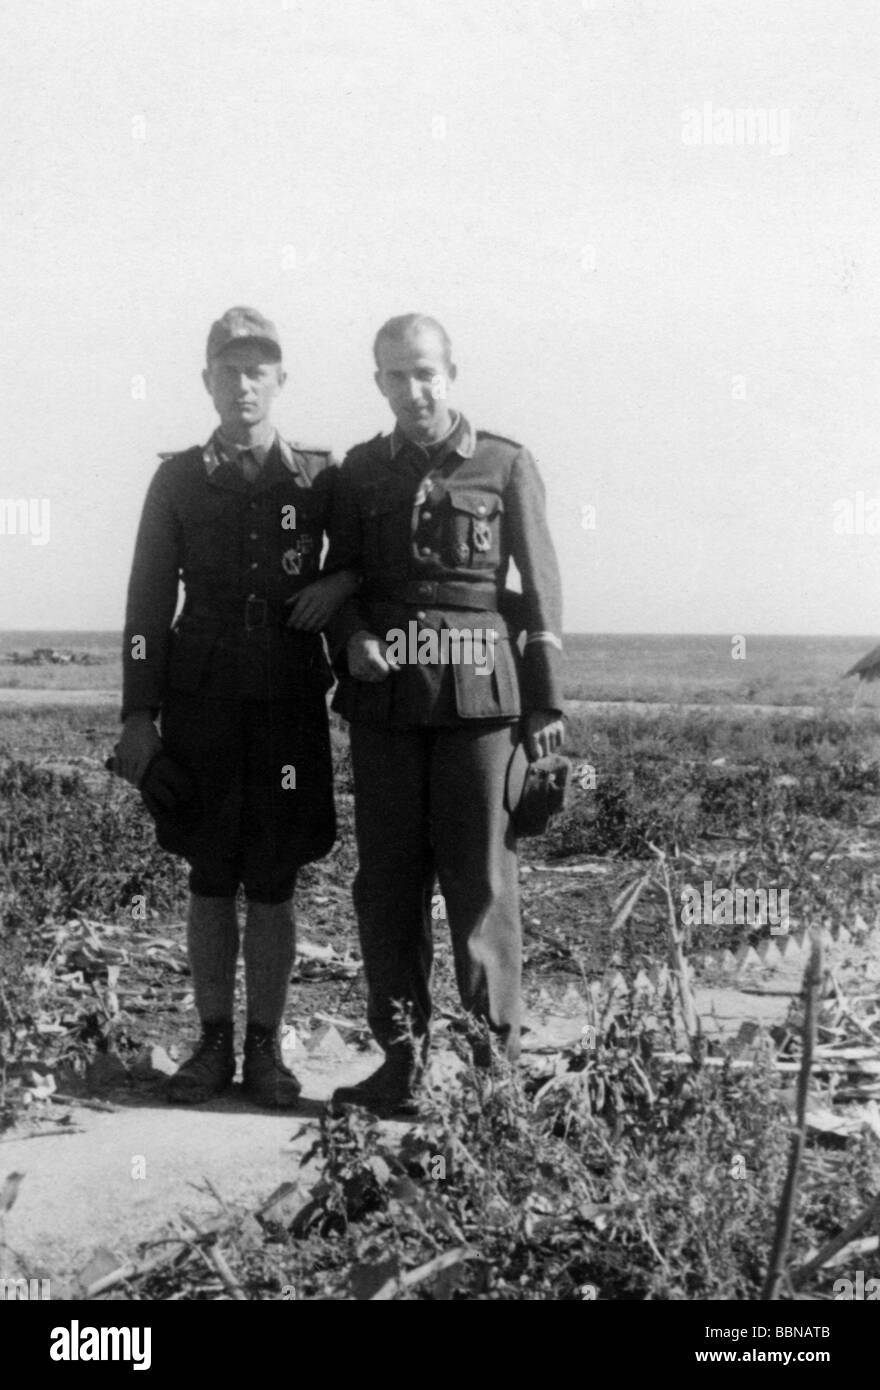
(152, 600)
(535, 557)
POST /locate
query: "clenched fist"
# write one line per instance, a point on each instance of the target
(543, 733)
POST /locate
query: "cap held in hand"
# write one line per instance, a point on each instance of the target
(165, 786)
(535, 791)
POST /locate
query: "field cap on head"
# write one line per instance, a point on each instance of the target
(535, 791)
(241, 324)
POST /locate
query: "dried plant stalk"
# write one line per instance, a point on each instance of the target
(782, 1234)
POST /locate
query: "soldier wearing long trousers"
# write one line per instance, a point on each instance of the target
(431, 515)
(238, 684)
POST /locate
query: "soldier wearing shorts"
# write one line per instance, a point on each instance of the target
(238, 684)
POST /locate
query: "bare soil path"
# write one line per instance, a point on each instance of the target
(119, 1176)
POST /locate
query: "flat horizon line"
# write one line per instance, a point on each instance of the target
(726, 636)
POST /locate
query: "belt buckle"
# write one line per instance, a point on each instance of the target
(426, 589)
(250, 623)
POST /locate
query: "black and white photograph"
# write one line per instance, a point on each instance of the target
(439, 645)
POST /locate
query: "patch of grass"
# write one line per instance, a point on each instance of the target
(65, 850)
(672, 779)
(58, 733)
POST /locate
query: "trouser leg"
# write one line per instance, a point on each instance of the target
(395, 878)
(212, 941)
(269, 955)
(475, 853)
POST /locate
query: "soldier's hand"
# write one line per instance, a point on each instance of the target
(543, 733)
(367, 657)
(313, 607)
(138, 743)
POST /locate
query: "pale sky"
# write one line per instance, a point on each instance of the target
(686, 336)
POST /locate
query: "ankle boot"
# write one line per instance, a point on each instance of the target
(390, 1090)
(210, 1069)
(266, 1079)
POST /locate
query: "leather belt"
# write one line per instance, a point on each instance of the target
(253, 613)
(440, 593)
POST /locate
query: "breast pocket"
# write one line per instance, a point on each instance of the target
(474, 529)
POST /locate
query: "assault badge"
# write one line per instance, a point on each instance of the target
(291, 561)
(482, 536)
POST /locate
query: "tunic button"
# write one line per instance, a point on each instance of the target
(421, 615)
(254, 565)
(253, 536)
(426, 516)
(426, 550)
(481, 508)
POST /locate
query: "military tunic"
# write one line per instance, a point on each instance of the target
(433, 533)
(241, 698)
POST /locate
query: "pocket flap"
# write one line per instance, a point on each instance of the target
(479, 504)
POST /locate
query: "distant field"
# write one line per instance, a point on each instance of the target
(104, 643)
(689, 670)
(104, 647)
(702, 670)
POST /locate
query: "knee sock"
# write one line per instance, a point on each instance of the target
(269, 955)
(212, 941)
